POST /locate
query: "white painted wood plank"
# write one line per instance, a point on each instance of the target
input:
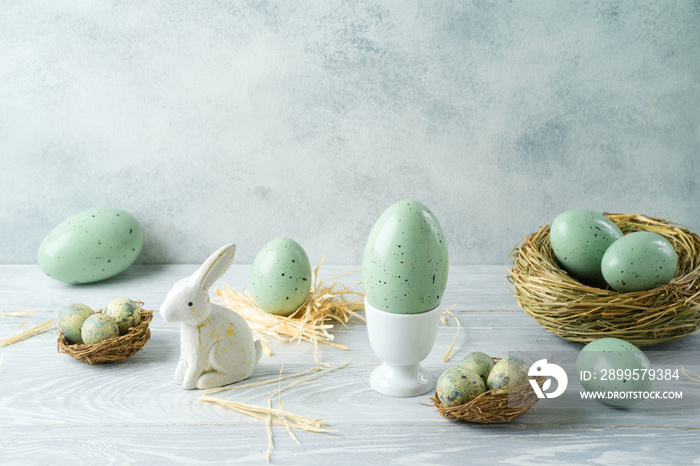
(44, 392)
(52, 406)
(396, 445)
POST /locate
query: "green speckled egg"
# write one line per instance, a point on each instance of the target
(125, 312)
(579, 239)
(90, 246)
(599, 357)
(405, 263)
(639, 261)
(281, 277)
(478, 362)
(99, 327)
(70, 320)
(508, 372)
(457, 386)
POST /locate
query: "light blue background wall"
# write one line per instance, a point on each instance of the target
(243, 121)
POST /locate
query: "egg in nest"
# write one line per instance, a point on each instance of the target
(125, 312)
(99, 327)
(479, 362)
(507, 373)
(457, 386)
(70, 320)
(280, 279)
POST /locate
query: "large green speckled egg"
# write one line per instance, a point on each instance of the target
(281, 277)
(125, 312)
(479, 362)
(507, 373)
(457, 386)
(99, 327)
(90, 246)
(70, 320)
(639, 261)
(579, 239)
(617, 369)
(405, 263)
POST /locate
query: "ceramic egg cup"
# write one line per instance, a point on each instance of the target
(402, 342)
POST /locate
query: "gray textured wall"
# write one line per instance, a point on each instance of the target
(243, 121)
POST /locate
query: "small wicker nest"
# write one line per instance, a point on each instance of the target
(577, 312)
(112, 350)
(490, 407)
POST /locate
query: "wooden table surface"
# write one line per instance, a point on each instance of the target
(57, 410)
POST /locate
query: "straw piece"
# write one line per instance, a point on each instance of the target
(268, 429)
(692, 376)
(327, 303)
(112, 350)
(35, 330)
(29, 313)
(278, 416)
(310, 377)
(291, 434)
(279, 403)
(260, 382)
(297, 421)
(448, 354)
(582, 313)
(16, 313)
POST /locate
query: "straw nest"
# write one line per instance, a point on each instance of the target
(490, 407)
(577, 312)
(112, 350)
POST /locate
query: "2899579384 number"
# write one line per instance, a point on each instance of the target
(639, 374)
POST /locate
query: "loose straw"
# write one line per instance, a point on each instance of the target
(38, 328)
(326, 302)
(448, 354)
(261, 382)
(277, 415)
(19, 314)
(268, 429)
(690, 375)
(279, 403)
(16, 313)
(310, 377)
(298, 422)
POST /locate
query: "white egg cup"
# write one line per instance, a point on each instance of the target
(401, 341)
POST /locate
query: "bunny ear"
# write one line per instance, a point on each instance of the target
(214, 267)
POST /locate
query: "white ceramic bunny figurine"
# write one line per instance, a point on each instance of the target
(216, 345)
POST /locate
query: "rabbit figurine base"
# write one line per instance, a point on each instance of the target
(216, 345)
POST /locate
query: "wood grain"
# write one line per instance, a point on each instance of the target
(56, 409)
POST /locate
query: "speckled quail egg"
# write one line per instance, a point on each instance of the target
(99, 327)
(507, 373)
(457, 386)
(125, 312)
(478, 362)
(70, 320)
